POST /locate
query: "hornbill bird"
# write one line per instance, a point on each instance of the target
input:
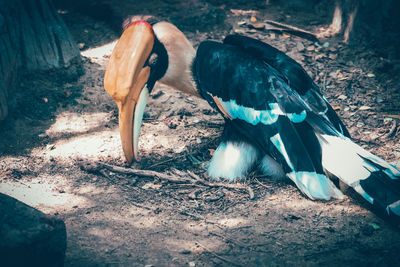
(275, 115)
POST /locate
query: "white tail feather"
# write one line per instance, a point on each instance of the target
(344, 159)
(232, 161)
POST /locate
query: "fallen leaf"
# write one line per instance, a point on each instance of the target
(45, 100)
(259, 26)
(333, 74)
(51, 147)
(253, 19)
(394, 116)
(147, 186)
(243, 22)
(211, 151)
(353, 106)
(364, 108)
(370, 75)
(342, 97)
(151, 185)
(156, 186)
(286, 35)
(273, 197)
(375, 226)
(326, 45)
(311, 48)
(300, 46)
(239, 31)
(336, 108)
(238, 12)
(333, 56)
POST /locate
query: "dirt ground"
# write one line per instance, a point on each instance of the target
(115, 219)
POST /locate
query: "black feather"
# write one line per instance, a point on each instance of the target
(297, 77)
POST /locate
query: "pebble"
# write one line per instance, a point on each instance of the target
(300, 46)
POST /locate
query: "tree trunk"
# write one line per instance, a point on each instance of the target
(375, 22)
(33, 37)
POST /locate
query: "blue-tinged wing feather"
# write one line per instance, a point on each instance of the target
(297, 78)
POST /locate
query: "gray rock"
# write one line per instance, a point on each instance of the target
(29, 237)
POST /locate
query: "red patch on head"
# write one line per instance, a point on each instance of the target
(135, 20)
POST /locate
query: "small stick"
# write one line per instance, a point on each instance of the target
(294, 30)
(392, 131)
(218, 256)
(95, 166)
(263, 185)
(142, 206)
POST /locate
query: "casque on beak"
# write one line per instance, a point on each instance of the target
(126, 79)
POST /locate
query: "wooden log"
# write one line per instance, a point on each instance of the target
(33, 37)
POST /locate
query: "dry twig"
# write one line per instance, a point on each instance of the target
(392, 131)
(177, 176)
(294, 30)
(97, 166)
(263, 185)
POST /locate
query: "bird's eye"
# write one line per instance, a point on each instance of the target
(153, 59)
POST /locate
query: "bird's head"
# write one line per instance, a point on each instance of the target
(146, 54)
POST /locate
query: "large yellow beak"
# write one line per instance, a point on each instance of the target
(125, 81)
